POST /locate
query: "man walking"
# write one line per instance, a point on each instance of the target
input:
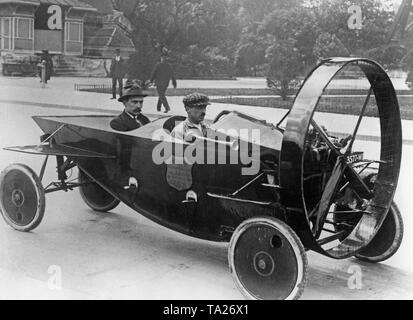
(117, 73)
(161, 76)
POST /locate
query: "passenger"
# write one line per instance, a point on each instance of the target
(195, 105)
(131, 118)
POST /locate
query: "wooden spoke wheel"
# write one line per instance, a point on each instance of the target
(95, 196)
(22, 198)
(387, 240)
(267, 260)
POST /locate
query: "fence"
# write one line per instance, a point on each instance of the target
(99, 88)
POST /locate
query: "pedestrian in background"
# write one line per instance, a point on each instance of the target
(117, 72)
(46, 60)
(161, 76)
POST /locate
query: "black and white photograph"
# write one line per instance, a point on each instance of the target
(206, 150)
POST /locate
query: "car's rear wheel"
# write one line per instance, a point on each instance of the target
(267, 260)
(387, 240)
(22, 197)
(95, 196)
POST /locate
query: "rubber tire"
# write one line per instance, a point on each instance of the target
(99, 207)
(393, 220)
(41, 200)
(294, 241)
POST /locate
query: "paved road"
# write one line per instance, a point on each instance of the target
(123, 255)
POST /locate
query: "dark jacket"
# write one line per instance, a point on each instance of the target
(162, 74)
(117, 68)
(49, 65)
(124, 122)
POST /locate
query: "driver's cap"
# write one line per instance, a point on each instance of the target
(196, 100)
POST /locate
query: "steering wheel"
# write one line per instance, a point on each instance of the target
(220, 115)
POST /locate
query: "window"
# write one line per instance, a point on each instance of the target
(24, 28)
(73, 31)
(5, 33)
(6, 27)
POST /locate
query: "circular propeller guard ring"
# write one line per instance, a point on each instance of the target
(293, 149)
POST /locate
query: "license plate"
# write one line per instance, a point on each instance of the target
(354, 157)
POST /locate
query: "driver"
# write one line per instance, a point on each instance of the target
(131, 118)
(195, 106)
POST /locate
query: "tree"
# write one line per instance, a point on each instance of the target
(156, 26)
(250, 54)
(250, 51)
(318, 29)
(162, 20)
(390, 56)
(298, 23)
(291, 34)
(253, 12)
(221, 32)
(369, 41)
(328, 45)
(285, 66)
(202, 62)
(142, 61)
(332, 17)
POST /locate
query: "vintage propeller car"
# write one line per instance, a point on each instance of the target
(311, 190)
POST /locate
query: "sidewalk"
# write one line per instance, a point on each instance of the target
(67, 83)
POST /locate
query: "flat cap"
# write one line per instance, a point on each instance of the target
(196, 100)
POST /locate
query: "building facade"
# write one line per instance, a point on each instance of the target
(104, 31)
(30, 26)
